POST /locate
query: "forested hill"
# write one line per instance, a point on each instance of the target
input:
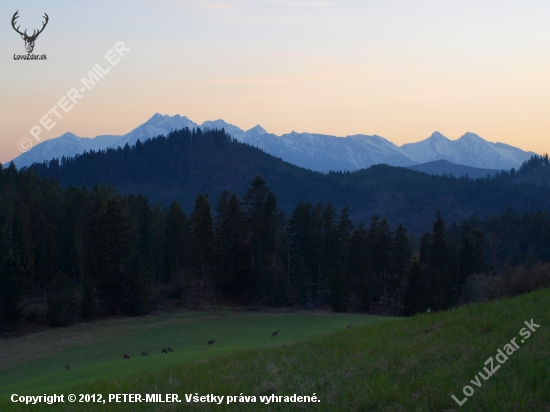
(185, 163)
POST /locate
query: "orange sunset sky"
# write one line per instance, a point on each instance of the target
(399, 69)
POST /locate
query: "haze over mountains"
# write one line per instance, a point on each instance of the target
(310, 150)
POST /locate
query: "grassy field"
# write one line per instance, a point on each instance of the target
(403, 365)
(34, 364)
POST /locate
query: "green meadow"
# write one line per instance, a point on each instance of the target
(34, 364)
(414, 364)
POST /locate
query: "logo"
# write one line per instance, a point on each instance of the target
(29, 40)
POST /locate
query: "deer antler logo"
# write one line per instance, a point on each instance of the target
(29, 40)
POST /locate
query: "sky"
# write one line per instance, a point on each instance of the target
(401, 69)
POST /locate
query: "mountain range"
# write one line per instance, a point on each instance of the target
(444, 167)
(186, 163)
(313, 151)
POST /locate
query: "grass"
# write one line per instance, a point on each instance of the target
(34, 364)
(405, 365)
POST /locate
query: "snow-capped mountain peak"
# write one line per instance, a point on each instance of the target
(469, 150)
(256, 131)
(311, 150)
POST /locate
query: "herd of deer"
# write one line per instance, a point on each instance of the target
(170, 350)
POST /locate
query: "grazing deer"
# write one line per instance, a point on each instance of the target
(68, 367)
(125, 357)
(164, 350)
(350, 325)
(169, 349)
(144, 354)
(210, 342)
(275, 334)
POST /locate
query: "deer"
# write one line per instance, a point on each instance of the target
(125, 357)
(68, 367)
(164, 351)
(210, 342)
(29, 40)
(169, 349)
(144, 354)
(275, 334)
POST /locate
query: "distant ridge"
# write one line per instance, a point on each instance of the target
(313, 151)
(440, 167)
(469, 150)
(186, 163)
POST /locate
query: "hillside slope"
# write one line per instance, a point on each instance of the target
(538, 177)
(310, 150)
(184, 164)
(440, 167)
(415, 364)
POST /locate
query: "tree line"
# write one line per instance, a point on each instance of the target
(186, 162)
(96, 253)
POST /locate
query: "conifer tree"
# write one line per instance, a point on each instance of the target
(137, 295)
(416, 294)
(345, 229)
(61, 302)
(400, 259)
(176, 226)
(11, 289)
(440, 265)
(88, 309)
(203, 237)
(111, 248)
(261, 221)
(231, 268)
(358, 266)
(339, 297)
(380, 239)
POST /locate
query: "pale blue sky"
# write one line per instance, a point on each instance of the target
(399, 69)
